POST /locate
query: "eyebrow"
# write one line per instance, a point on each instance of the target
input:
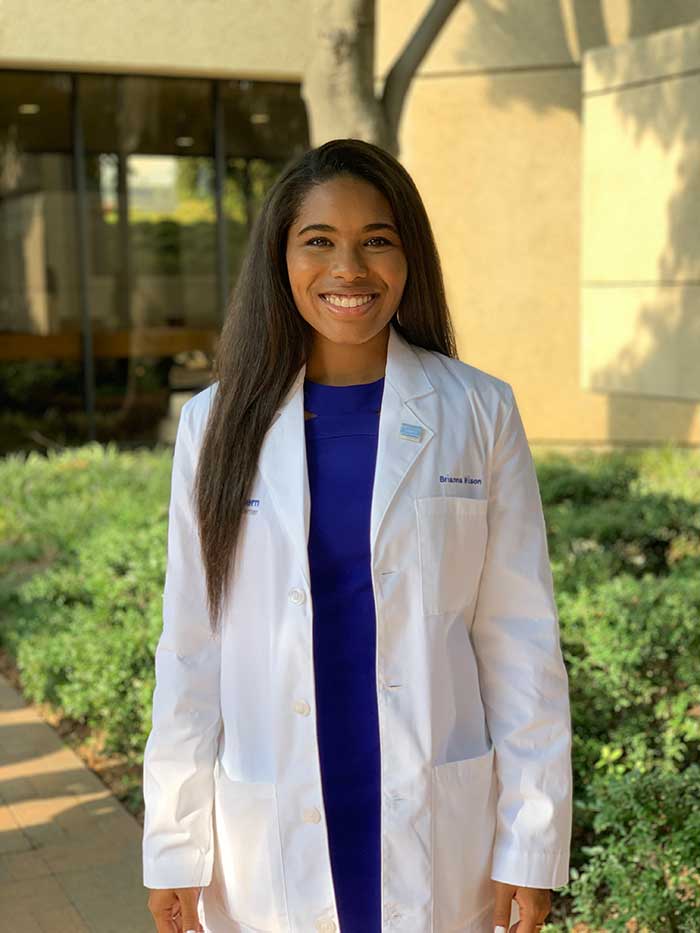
(329, 229)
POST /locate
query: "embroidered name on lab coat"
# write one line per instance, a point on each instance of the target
(412, 432)
(470, 480)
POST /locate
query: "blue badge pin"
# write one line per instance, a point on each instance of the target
(413, 432)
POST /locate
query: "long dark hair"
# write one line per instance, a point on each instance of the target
(265, 341)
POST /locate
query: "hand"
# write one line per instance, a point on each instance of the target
(534, 903)
(175, 910)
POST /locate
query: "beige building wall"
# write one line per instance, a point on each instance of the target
(493, 136)
(209, 38)
(640, 300)
(492, 133)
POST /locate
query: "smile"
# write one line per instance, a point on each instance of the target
(351, 301)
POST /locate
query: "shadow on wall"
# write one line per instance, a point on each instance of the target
(552, 35)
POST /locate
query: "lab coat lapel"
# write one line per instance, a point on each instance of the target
(404, 429)
(404, 432)
(282, 463)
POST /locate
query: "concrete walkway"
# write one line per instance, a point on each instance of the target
(70, 854)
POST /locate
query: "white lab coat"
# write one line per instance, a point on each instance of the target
(472, 690)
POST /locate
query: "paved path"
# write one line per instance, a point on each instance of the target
(70, 854)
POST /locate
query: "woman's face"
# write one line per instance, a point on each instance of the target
(343, 245)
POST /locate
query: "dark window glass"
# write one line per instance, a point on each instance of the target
(153, 215)
(266, 127)
(41, 374)
(151, 253)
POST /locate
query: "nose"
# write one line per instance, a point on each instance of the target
(349, 264)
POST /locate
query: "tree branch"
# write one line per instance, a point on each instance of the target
(405, 66)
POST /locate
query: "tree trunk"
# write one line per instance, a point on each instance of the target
(338, 85)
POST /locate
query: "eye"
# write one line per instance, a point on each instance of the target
(315, 240)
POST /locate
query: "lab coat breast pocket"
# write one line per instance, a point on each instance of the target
(452, 535)
(463, 833)
(248, 873)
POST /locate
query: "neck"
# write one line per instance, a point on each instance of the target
(341, 364)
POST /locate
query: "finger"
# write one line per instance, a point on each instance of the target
(192, 926)
(534, 906)
(518, 927)
(528, 923)
(163, 921)
(502, 907)
(190, 918)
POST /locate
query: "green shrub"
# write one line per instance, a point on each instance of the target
(84, 629)
(632, 649)
(586, 479)
(644, 866)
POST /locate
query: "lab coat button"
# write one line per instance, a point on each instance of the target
(296, 596)
(302, 707)
(325, 926)
(311, 815)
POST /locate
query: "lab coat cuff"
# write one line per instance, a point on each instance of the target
(530, 868)
(182, 869)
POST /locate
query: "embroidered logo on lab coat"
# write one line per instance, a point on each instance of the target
(252, 505)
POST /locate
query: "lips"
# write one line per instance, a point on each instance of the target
(350, 310)
(347, 296)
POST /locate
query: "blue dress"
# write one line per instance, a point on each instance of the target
(341, 446)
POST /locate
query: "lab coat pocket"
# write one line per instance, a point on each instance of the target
(463, 832)
(452, 535)
(248, 868)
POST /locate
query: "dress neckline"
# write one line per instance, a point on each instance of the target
(324, 399)
(354, 385)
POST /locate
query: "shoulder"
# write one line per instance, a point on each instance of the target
(192, 421)
(195, 411)
(455, 377)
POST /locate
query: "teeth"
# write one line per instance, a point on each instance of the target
(347, 302)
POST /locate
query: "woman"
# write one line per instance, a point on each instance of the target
(361, 715)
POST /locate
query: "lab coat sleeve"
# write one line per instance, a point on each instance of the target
(523, 679)
(181, 748)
